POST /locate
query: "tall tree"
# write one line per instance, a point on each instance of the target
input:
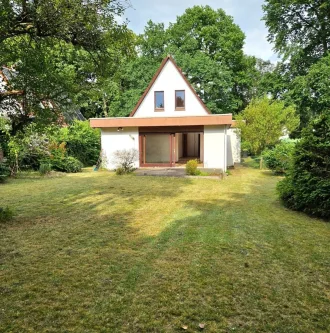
(208, 46)
(137, 72)
(300, 30)
(310, 93)
(58, 49)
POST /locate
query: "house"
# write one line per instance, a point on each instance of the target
(12, 101)
(170, 125)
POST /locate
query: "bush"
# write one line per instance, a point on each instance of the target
(4, 172)
(191, 168)
(82, 141)
(124, 160)
(45, 168)
(71, 164)
(307, 184)
(6, 214)
(26, 150)
(279, 158)
(120, 171)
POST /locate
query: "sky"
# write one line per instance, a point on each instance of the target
(246, 13)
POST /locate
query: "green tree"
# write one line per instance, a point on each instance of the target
(208, 46)
(307, 185)
(263, 122)
(60, 51)
(137, 72)
(300, 30)
(311, 92)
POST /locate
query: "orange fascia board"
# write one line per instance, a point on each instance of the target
(225, 119)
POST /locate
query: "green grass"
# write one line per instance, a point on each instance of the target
(251, 162)
(95, 252)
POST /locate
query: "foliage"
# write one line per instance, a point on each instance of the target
(262, 123)
(207, 45)
(71, 164)
(45, 168)
(60, 53)
(120, 171)
(125, 159)
(279, 158)
(191, 168)
(82, 141)
(53, 145)
(27, 149)
(60, 160)
(307, 185)
(4, 172)
(310, 92)
(6, 214)
(252, 162)
(300, 30)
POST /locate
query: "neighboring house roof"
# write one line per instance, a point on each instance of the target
(168, 58)
(10, 106)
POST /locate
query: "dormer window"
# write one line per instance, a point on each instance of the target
(159, 101)
(180, 100)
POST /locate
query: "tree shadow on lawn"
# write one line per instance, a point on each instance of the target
(229, 269)
(217, 261)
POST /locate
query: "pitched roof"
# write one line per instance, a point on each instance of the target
(164, 62)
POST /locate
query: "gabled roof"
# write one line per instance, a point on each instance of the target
(164, 62)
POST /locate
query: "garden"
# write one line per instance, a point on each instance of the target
(93, 251)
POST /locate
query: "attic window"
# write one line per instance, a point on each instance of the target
(179, 100)
(159, 101)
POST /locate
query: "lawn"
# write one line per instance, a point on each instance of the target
(95, 252)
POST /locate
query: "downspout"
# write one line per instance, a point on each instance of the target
(225, 150)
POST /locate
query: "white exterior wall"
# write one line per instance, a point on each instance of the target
(112, 140)
(233, 147)
(215, 147)
(168, 81)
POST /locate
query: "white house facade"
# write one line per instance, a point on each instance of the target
(171, 125)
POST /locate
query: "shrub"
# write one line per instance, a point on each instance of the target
(6, 214)
(45, 168)
(71, 164)
(125, 159)
(4, 172)
(307, 184)
(279, 158)
(82, 141)
(26, 150)
(191, 168)
(120, 171)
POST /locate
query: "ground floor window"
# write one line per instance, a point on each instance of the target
(170, 149)
(157, 148)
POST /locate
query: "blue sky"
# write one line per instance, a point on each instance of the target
(246, 13)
